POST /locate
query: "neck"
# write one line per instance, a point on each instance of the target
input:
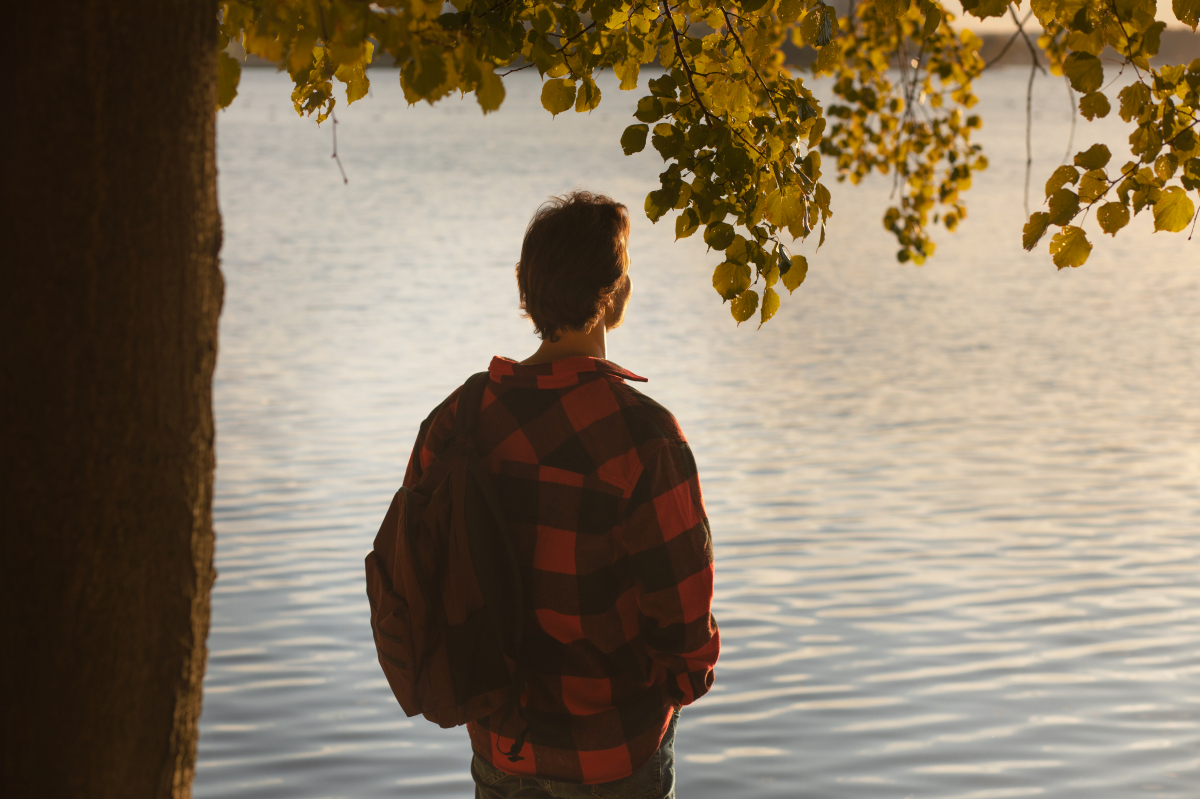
(591, 343)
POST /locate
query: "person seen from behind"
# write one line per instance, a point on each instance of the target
(603, 505)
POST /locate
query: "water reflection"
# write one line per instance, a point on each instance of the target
(956, 509)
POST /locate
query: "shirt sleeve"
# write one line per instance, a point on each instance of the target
(666, 531)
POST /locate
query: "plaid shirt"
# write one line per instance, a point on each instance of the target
(603, 503)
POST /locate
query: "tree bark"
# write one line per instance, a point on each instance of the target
(108, 325)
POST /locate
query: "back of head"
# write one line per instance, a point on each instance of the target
(572, 260)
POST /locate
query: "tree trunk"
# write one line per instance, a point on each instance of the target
(109, 300)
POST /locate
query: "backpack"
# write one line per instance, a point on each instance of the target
(445, 587)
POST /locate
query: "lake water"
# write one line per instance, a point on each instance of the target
(956, 508)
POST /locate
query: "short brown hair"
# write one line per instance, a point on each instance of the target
(572, 260)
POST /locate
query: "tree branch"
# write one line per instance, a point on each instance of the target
(684, 65)
(742, 47)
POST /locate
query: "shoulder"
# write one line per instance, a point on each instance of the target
(649, 421)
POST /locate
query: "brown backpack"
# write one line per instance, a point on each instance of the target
(445, 587)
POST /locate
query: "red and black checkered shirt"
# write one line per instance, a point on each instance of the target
(603, 503)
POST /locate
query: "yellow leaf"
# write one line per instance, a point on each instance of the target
(589, 95)
(1112, 217)
(1174, 210)
(1070, 247)
(627, 71)
(229, 72)
(490, 91)
(1187, 12)
(770, 304)
(1085, 72)
(790, 10)
(795, 276)
(558, 95)
(744, 306)
(730, 279)
(1093, 185)
(1094, 104)
(1094, 157)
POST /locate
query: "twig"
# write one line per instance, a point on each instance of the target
(684, 65)
(563, 46)
(1036, 65)
(516, 69)
(1025, 36)
(1128, 59)
(1029, 133)
(741, 46)
(345, 179)
(1000, 56)
(493, 8)
(1074, 118)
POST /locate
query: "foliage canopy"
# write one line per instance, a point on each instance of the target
(744, 140)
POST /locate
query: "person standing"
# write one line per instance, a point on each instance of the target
(603, 504)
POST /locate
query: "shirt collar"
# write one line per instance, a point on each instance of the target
(555, 374)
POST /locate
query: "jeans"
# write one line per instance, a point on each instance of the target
(655, 780)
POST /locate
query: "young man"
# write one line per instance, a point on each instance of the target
(602, 500)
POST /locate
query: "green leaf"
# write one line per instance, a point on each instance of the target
(744, 305)
(633, 140)
(588, 96)
(730, 279)
(558, 95)
(490, 92)
(1112, 217)
(1093, 105)
(1174, 210)
(794, 276)
(1034, 229)
(229, 72)
(1095, 157)
(1064, 204)
(1085, 72)
(1187, 12)
(1070, 247)
(686, 223)
(1062, 176)
(770, 304)
(719, 235)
